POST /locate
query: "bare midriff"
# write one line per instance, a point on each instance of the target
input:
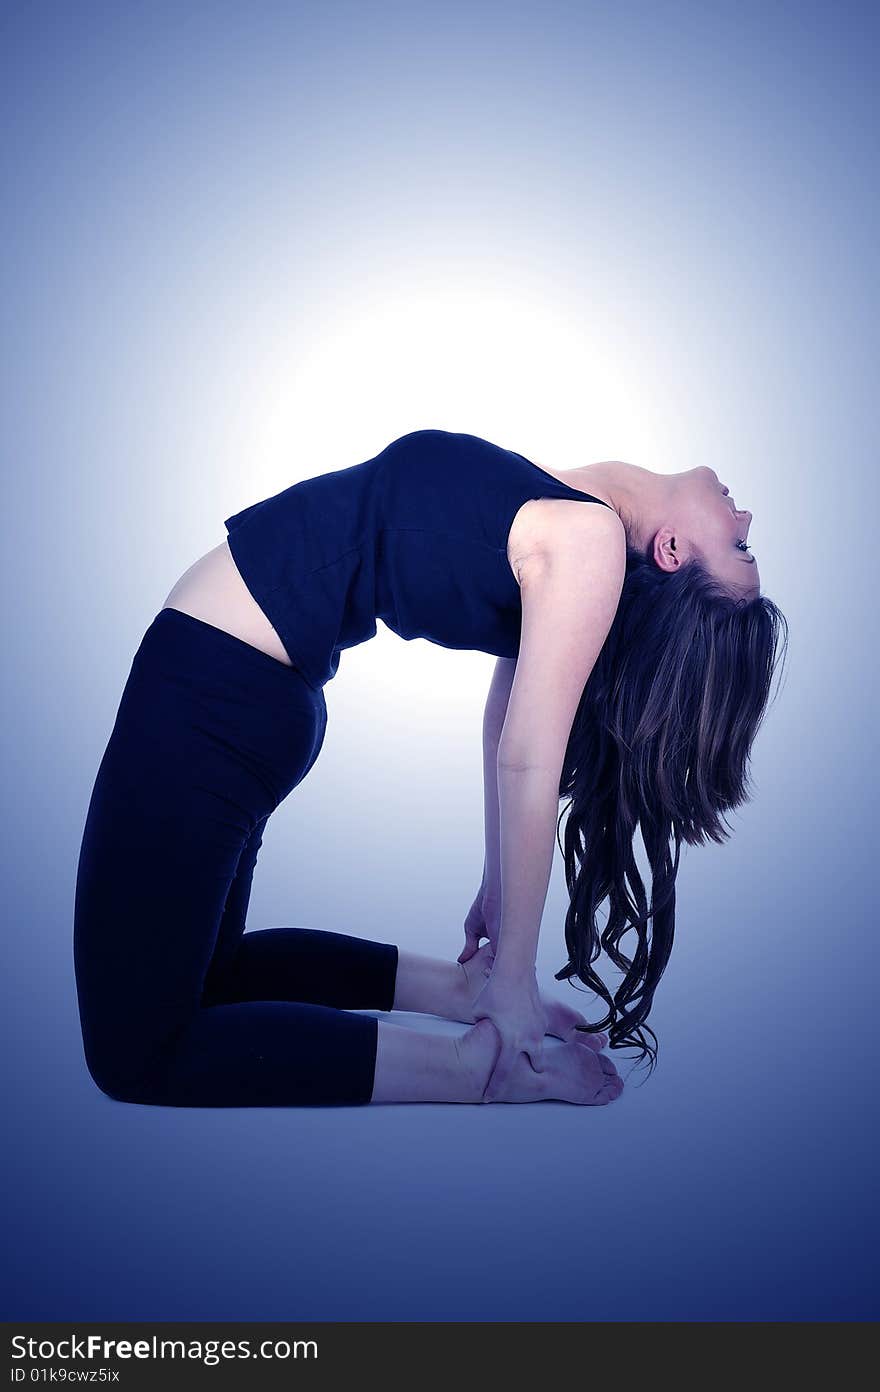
(212, 590)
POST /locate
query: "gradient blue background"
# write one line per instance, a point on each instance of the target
(245, 243)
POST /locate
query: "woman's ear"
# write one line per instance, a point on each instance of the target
(664, 549)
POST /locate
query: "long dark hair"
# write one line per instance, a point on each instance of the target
(660, 742)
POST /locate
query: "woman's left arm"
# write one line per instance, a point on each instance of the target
(570, 591)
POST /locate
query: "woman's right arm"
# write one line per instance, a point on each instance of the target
(493, 723)
(482, 916)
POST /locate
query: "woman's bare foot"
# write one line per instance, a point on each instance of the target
(562, 1019)
(415, 1067)
(573, 1072)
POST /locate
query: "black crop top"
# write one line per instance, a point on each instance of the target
(416, 536)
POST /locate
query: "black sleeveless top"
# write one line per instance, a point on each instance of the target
(415, 536)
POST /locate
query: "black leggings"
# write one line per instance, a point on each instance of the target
(178, 1005)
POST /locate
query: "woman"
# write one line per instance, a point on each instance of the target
(634, 659)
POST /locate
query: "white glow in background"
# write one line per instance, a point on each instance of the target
(246, 244)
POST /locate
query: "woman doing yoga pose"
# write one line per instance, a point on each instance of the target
(634, 659)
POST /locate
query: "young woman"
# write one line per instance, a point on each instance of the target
(635, 653)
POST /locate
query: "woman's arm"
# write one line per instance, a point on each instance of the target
(493, 722)
(570, 589)
(529, 806)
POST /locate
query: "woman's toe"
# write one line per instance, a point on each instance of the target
(608, 1066)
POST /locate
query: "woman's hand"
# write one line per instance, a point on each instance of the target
(483, 921)
(563, 1020)
(515, 1009)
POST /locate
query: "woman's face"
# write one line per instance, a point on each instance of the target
(713, 522)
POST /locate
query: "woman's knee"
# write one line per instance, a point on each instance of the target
(115, 1082)
(126, 1064)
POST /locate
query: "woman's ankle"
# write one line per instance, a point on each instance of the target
(478, 1050)
(432, 986)
(414, 1066)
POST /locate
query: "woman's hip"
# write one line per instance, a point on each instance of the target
(206, 721)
